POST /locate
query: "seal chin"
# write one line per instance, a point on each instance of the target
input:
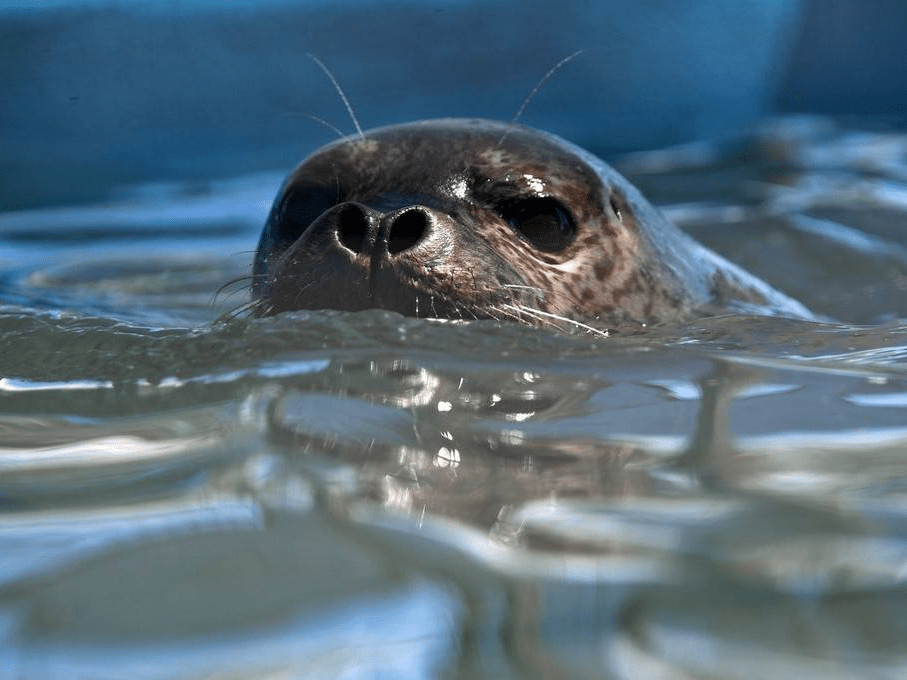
(354, 286)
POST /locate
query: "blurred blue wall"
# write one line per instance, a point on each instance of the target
(97, 94)
(848, 57)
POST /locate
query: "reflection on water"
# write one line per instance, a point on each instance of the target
(324, 494)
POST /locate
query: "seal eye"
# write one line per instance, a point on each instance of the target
(305, 204)
(541, 220)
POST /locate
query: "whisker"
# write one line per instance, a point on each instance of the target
(533, 92)
(534, 290)
(297, 299)
(346, 102)
(214, 301)
(231, 282)
(547, 316)
(240, 279)
(504, 315)
(237, 311)
(532, 314)
(518, 286)
(463, 309)
(328, 125)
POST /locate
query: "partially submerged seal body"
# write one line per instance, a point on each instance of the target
(472, 219)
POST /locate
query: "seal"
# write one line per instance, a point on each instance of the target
(477, 219)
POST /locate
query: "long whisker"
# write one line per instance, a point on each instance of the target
(328, 125)
(533, 92)
(534, 290)
(239, 310)
(346, 102)
(240, 279)
(547, 316)
(231, 282)
(519, 286)
(500, 314)
(523, 312)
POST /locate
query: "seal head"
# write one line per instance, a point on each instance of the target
(470, 219)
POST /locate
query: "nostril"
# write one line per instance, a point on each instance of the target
(406, 231)
(352, 227)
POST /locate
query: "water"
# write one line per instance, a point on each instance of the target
(362, 495)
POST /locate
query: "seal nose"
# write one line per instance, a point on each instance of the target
(352, 225)
(405, 229)
(358, 227)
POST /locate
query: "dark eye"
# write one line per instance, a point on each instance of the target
(301, 206)
(541, 220)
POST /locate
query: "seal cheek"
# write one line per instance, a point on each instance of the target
(602, 269)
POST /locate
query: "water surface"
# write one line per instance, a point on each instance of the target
(188, 494)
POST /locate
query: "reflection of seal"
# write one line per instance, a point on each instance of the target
(477, 219)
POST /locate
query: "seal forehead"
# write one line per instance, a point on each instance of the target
(441, 148)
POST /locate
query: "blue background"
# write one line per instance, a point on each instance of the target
(101, 94)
